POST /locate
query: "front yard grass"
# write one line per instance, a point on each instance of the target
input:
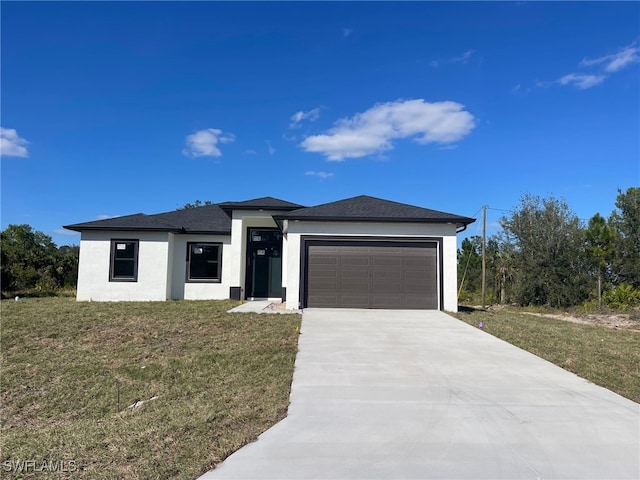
(70, 373)
(605, 356)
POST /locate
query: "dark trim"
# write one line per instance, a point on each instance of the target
(320, 240)
(188, 278)
(259, 209)
(453, 221)
(112, 258)
(147, 229)
(235, 293)
(284, 294)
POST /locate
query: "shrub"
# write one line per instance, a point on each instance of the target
(622, 297)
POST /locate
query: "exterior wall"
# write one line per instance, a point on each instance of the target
(296, 229)
(241, 221)
(183, 290)
(153, 267)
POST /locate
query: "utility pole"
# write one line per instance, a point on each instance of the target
(484, 259)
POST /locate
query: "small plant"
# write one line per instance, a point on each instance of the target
(622, 297)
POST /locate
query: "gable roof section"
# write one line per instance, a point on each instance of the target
(205, 219)
(216, 218)
(263, 203)
(370, 209)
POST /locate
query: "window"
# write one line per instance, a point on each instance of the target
(124, 261)
(203, 262)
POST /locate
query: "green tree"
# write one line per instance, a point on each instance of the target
(28, 259)
(31, 261)
(625, 220)
(547, 246)
(499, 266)
(470, 265)
(600, 240)
(196, 204)
(67, 265)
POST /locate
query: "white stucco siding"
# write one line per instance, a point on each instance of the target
(297, 229)
(153, 267)
(181, 289)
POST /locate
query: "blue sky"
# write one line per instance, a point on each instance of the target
(113, 108)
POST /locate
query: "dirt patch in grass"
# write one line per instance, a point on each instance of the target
(607, 356)
(209, 382)
(610, 319)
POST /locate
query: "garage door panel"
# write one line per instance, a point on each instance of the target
(380, 287)
(354, 301)
(323, 299)
(419, 301)
(390, 261)
(376, 276)
(386, 301)
(354, 261)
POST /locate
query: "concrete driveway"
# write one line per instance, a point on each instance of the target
(381, 394)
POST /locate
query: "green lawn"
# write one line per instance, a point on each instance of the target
(70, 372)
(605, 356)
(220, 380)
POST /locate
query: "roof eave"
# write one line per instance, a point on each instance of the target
(456, 221)
(81, 228)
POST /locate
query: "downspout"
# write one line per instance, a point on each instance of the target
(464, 227)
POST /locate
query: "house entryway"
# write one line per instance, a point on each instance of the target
(264, 263)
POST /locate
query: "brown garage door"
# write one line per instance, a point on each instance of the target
(372, 276)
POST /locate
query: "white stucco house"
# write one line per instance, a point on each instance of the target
(361, 252)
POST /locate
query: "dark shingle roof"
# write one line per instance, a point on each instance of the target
(371, 209)
(217, 218)
(266, 203)
(206, 219)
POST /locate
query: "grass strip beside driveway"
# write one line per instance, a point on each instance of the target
(205, 382)
(605, 356)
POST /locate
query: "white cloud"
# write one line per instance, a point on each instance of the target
(204, 143)
(617, 61)
(321, 175)
(11, 144)
(270, 148)
(607, 64)
(311, 116)
(464, 59)
(374, 130)
(581, 80)
(251, 151)
(346, 32)
(66, 233)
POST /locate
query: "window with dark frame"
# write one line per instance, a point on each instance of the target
(204, 261)
(124, 261)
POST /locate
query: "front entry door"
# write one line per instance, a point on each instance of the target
(264, 263)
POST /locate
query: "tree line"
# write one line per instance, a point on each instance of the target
(32, 263)
(545, 255)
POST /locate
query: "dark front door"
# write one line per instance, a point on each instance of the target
(264, 263)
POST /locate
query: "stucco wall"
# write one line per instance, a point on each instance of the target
(295, 229)
(93, 269)
(183, 290)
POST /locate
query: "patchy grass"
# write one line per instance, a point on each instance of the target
(605, 356)
(71, 371)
